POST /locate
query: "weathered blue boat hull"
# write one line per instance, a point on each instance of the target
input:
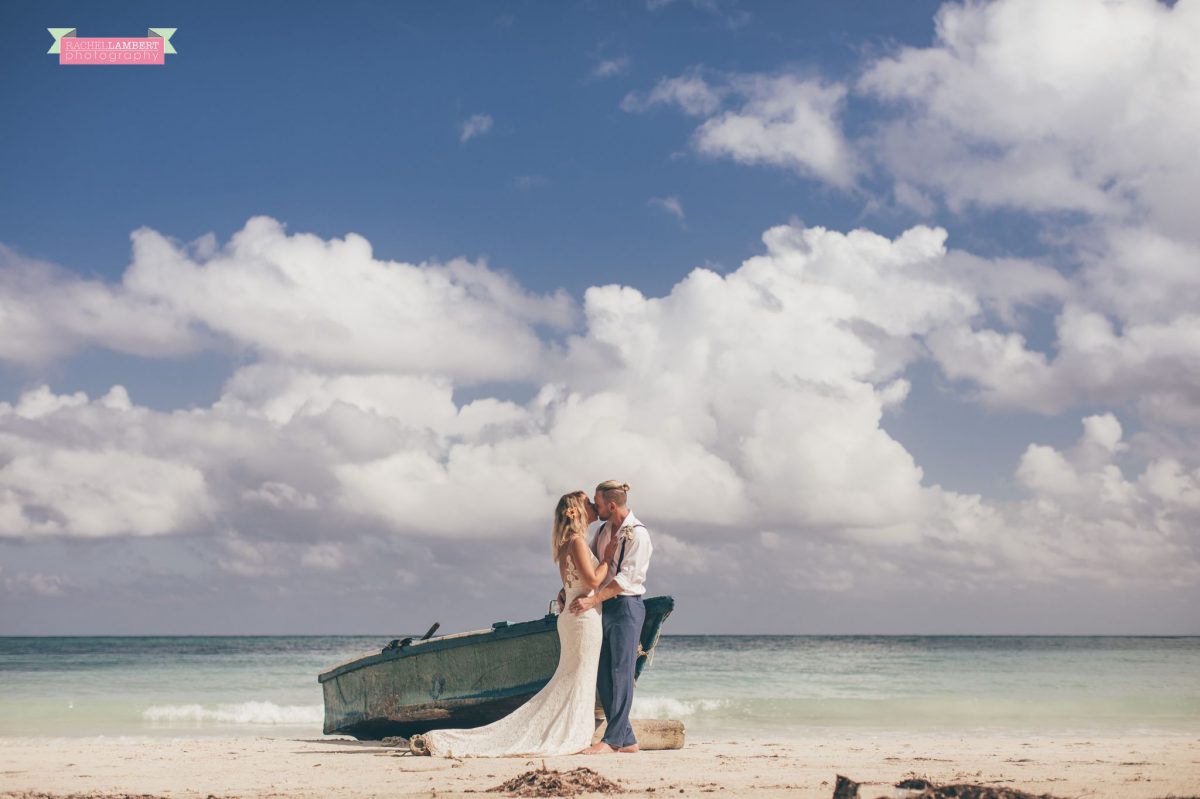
(464, 680)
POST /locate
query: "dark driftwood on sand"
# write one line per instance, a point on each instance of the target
(924, 789)
(845, 788)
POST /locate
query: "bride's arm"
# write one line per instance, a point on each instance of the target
(592, 577)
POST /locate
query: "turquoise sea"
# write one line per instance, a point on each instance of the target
(767, 686)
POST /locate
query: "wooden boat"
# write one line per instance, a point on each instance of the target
(463, 680)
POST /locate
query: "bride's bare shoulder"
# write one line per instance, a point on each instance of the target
(573, 548)
(578, 546)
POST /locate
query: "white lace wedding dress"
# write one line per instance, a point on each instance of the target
(560, 718)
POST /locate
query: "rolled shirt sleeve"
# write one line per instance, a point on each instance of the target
(632, 576)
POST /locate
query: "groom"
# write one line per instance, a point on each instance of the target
(623, 612)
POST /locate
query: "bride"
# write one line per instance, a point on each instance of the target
(560, 718)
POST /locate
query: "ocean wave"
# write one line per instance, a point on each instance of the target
(266, 713)
(665, 707)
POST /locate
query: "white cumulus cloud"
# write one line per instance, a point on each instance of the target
(1050, 105)
(734, 404)
(293, 297)
(779, 120)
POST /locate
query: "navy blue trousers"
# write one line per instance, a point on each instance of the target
(622, 619)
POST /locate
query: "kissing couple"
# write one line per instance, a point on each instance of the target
(598, 633)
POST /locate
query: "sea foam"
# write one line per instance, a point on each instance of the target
(267, 713)
(665, 707)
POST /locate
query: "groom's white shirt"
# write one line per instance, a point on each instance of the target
(632, 576)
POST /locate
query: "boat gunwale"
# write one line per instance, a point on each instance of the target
(517, 630)
(455, 640)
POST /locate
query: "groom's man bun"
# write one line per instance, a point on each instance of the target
(614, 491)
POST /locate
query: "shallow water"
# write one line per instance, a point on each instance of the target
(750, 685)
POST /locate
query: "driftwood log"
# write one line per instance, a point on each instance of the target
(845, 788)
(651, 734)
(919, 788)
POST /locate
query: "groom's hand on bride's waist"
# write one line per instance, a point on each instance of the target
(583, 604)
(586, 603)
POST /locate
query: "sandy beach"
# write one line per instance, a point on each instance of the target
(1150, 765)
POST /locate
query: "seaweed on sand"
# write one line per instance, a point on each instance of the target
(547, 782)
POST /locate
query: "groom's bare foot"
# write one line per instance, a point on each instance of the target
(628, 750)
(598, 749)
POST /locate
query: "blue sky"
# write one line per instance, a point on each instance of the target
(618, 145)
(362, 133)
(364, 136)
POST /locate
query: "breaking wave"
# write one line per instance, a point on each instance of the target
(265, 713)
(665, 707)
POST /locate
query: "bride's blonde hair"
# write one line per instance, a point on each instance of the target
(570, 520)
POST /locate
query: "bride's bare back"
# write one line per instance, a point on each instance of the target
(560, 718)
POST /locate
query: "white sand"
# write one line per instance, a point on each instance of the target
(1151, 765)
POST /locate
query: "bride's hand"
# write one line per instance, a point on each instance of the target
(610, 552)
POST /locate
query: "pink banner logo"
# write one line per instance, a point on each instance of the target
(113, 51)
